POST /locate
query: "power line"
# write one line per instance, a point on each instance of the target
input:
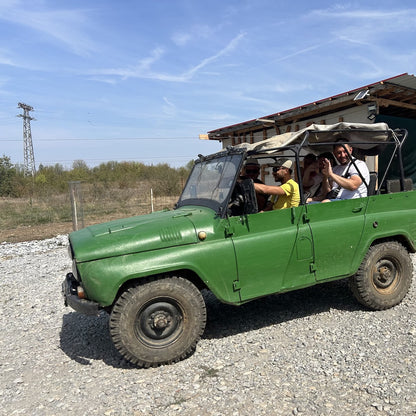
(106, 139)
(118, 159)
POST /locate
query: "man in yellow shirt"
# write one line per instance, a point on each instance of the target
(287, 194)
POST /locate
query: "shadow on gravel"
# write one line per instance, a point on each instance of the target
(225, 320)
(85, 338)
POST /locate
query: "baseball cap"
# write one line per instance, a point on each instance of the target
(285, 163)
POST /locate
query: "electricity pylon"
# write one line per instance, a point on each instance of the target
(29, 158)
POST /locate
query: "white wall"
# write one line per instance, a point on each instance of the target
(356, 114)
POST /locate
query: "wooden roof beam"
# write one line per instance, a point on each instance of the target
(384, 102)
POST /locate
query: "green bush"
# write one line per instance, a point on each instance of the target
(51, 180)
(7, 176)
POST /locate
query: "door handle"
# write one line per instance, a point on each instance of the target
(358, 209)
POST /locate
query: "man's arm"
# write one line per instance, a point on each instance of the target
(351, 184)
(267, 189)
(326, 185)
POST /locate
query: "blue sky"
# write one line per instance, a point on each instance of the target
(140, 80)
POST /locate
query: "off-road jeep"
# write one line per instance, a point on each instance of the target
(148, 271)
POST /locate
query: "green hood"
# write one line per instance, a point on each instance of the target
(132, 235)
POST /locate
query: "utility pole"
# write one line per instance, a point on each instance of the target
(29, 158)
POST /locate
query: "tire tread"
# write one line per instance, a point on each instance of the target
(360, 283)
(128, 297)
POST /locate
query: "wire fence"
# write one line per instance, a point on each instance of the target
(115, 204)
(83, 205)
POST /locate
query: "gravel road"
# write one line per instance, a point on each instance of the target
(309, 352)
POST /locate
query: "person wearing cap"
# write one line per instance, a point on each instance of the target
(287, 194)
(251, 170)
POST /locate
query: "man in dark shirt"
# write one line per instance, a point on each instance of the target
(251, 170)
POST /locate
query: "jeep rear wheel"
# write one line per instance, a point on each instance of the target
(384, 276)
(158, 322)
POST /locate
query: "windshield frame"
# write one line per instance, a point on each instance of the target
(231, 161)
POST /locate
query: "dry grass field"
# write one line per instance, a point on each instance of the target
(24, 219)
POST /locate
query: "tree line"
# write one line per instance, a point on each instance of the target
(162, 178)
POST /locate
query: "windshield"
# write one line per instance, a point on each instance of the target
(211, 181)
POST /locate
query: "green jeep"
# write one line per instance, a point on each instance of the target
(148, 271)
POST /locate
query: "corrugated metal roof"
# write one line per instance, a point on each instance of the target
(406, 80)
(398, 89)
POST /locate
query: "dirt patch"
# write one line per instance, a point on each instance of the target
(43, 231)
(36, 232)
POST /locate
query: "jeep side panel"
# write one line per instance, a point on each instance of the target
(273, 252)
(391, 216)
(337, 228)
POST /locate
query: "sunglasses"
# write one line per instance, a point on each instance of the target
(278, 168)
(252, 170)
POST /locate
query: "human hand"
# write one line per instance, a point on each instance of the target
(326, 168)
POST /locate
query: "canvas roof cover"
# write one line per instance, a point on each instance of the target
(359, 135)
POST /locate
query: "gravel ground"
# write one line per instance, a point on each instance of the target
(309, 352)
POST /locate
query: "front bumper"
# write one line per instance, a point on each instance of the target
(69, 291)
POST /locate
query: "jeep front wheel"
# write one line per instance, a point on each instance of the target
(158, 322)
(384, 276)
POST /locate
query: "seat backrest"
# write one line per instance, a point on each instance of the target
(372, 184)
(393, 185)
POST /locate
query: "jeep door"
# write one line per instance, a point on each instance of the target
(337, 228)
(273, 252)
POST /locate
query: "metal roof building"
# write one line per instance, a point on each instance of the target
(392, 100)
(392, 97)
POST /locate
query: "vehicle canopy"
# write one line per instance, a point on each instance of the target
(213, 178)
(366, 139)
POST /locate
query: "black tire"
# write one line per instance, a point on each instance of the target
(158, 322)
(384, 276)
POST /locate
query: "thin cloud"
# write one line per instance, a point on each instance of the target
(155, 56)
(169, 108)
(305, 50)
(349, 37)
(371, 69)
(168, 102)
(362, 21)
(369, 32)
(143, 69)
(367, 28)
(364, 14)
(181, 39)
(64, 26)
(231, 46)
(5, 60)
(195, 33)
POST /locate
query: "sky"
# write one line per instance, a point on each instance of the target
(140, 80)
